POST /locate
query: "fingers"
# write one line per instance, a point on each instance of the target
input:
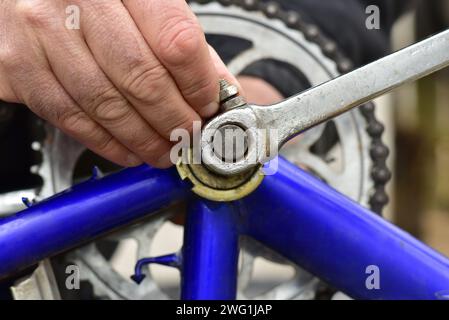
(6, 93)
(118, 81)
(59, 109)
(76, 69)
(259, 91)
(176, 38)
(121, 51)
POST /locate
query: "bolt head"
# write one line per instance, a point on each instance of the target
(230, 143)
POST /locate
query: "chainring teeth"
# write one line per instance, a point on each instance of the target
(378, 151)
(380, 174)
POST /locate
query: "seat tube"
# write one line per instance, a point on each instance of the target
(210, 252)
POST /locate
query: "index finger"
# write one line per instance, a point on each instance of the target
(176, 38)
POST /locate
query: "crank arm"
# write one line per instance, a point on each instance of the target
(319, 104)
(337, 96)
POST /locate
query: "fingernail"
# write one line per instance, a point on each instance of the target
(210, 109)
(164, 161)
(133, 161)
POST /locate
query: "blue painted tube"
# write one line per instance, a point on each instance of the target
(210, 252)
(83, 213)
(337, 240)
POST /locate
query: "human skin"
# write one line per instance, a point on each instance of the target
(134, 71)
(257, 91)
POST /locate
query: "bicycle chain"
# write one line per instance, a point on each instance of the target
(378, 150)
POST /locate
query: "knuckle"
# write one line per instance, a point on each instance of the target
(146, 83)
(199, 89)
(40, 104)
(105, 145)
(177, 122)
(7, 59)
(109, 107)
(14, 61)
(181, 123)
(179, 40)
(75, 122)
(36, 13)
(78, 123)
(149, 147)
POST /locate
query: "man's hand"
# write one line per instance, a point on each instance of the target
(134, 71)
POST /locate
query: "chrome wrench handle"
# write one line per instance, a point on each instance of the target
(326, 101)
(332, 98)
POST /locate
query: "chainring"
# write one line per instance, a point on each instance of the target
(346, 152)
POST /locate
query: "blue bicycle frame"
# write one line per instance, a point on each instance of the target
(292, 213)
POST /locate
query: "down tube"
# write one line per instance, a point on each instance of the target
(83, 213)
(342, 243)
(210, 252)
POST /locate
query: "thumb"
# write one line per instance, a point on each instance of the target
(223, 71)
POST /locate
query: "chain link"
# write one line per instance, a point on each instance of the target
(378, 150)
